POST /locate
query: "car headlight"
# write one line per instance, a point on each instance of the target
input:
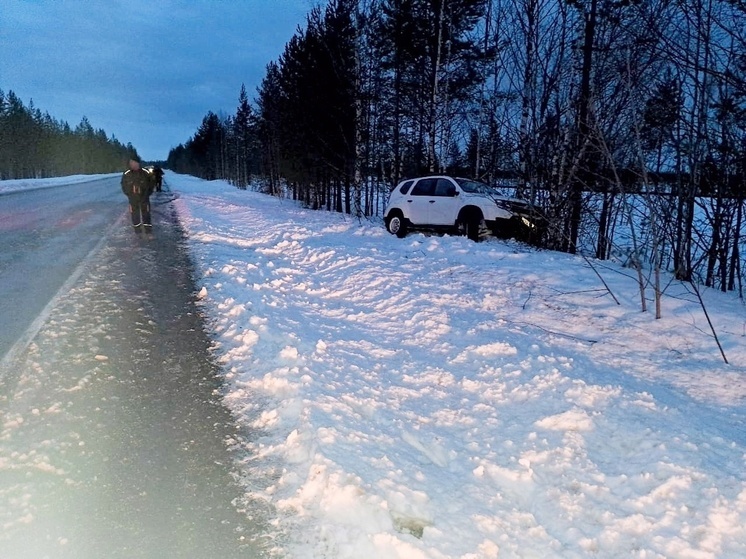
(528, 223)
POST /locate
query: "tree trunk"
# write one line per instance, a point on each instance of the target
(735, 256)
(576, 188)
(604, 240)
(527, 97)
(357, 172)
(435, 91)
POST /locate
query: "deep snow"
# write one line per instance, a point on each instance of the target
(435, 398)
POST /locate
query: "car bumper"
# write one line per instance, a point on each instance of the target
(520, 227)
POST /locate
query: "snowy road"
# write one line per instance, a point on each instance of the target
(46, 233)
(113, 441)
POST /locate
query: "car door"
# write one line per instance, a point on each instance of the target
(419, 200)
(445, 203)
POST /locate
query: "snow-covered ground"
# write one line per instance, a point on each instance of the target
(435, 398)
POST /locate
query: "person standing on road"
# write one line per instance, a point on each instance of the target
(137, 185)
(158, 174)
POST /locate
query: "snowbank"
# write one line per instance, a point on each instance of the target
(33, 184)
(435, 398)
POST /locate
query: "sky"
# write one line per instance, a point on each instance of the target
(420, 398)
(146, 72)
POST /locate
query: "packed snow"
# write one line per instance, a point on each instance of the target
(430, 397)
(435, 398)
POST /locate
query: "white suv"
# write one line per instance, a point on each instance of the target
(458, 205)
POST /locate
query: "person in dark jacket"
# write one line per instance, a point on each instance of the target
(137, 185)
(158, 174)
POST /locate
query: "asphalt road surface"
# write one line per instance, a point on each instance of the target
(113, 439)
(45, 235)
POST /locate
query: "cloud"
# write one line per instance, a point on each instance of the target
(146, 72)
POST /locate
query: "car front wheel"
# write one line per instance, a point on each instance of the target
(397, 225)
(471, 226)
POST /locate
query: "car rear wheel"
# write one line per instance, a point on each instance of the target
(397, 225)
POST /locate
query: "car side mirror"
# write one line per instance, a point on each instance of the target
(451, 191)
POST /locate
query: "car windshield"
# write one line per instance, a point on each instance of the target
(476, 187)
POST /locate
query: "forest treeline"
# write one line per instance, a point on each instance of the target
(610, 115)
(33, 144)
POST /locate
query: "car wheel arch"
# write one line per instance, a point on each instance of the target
(469, 221)
(470, 213)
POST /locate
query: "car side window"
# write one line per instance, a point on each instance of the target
(443, 187)
(405, 187)
(424, 187)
